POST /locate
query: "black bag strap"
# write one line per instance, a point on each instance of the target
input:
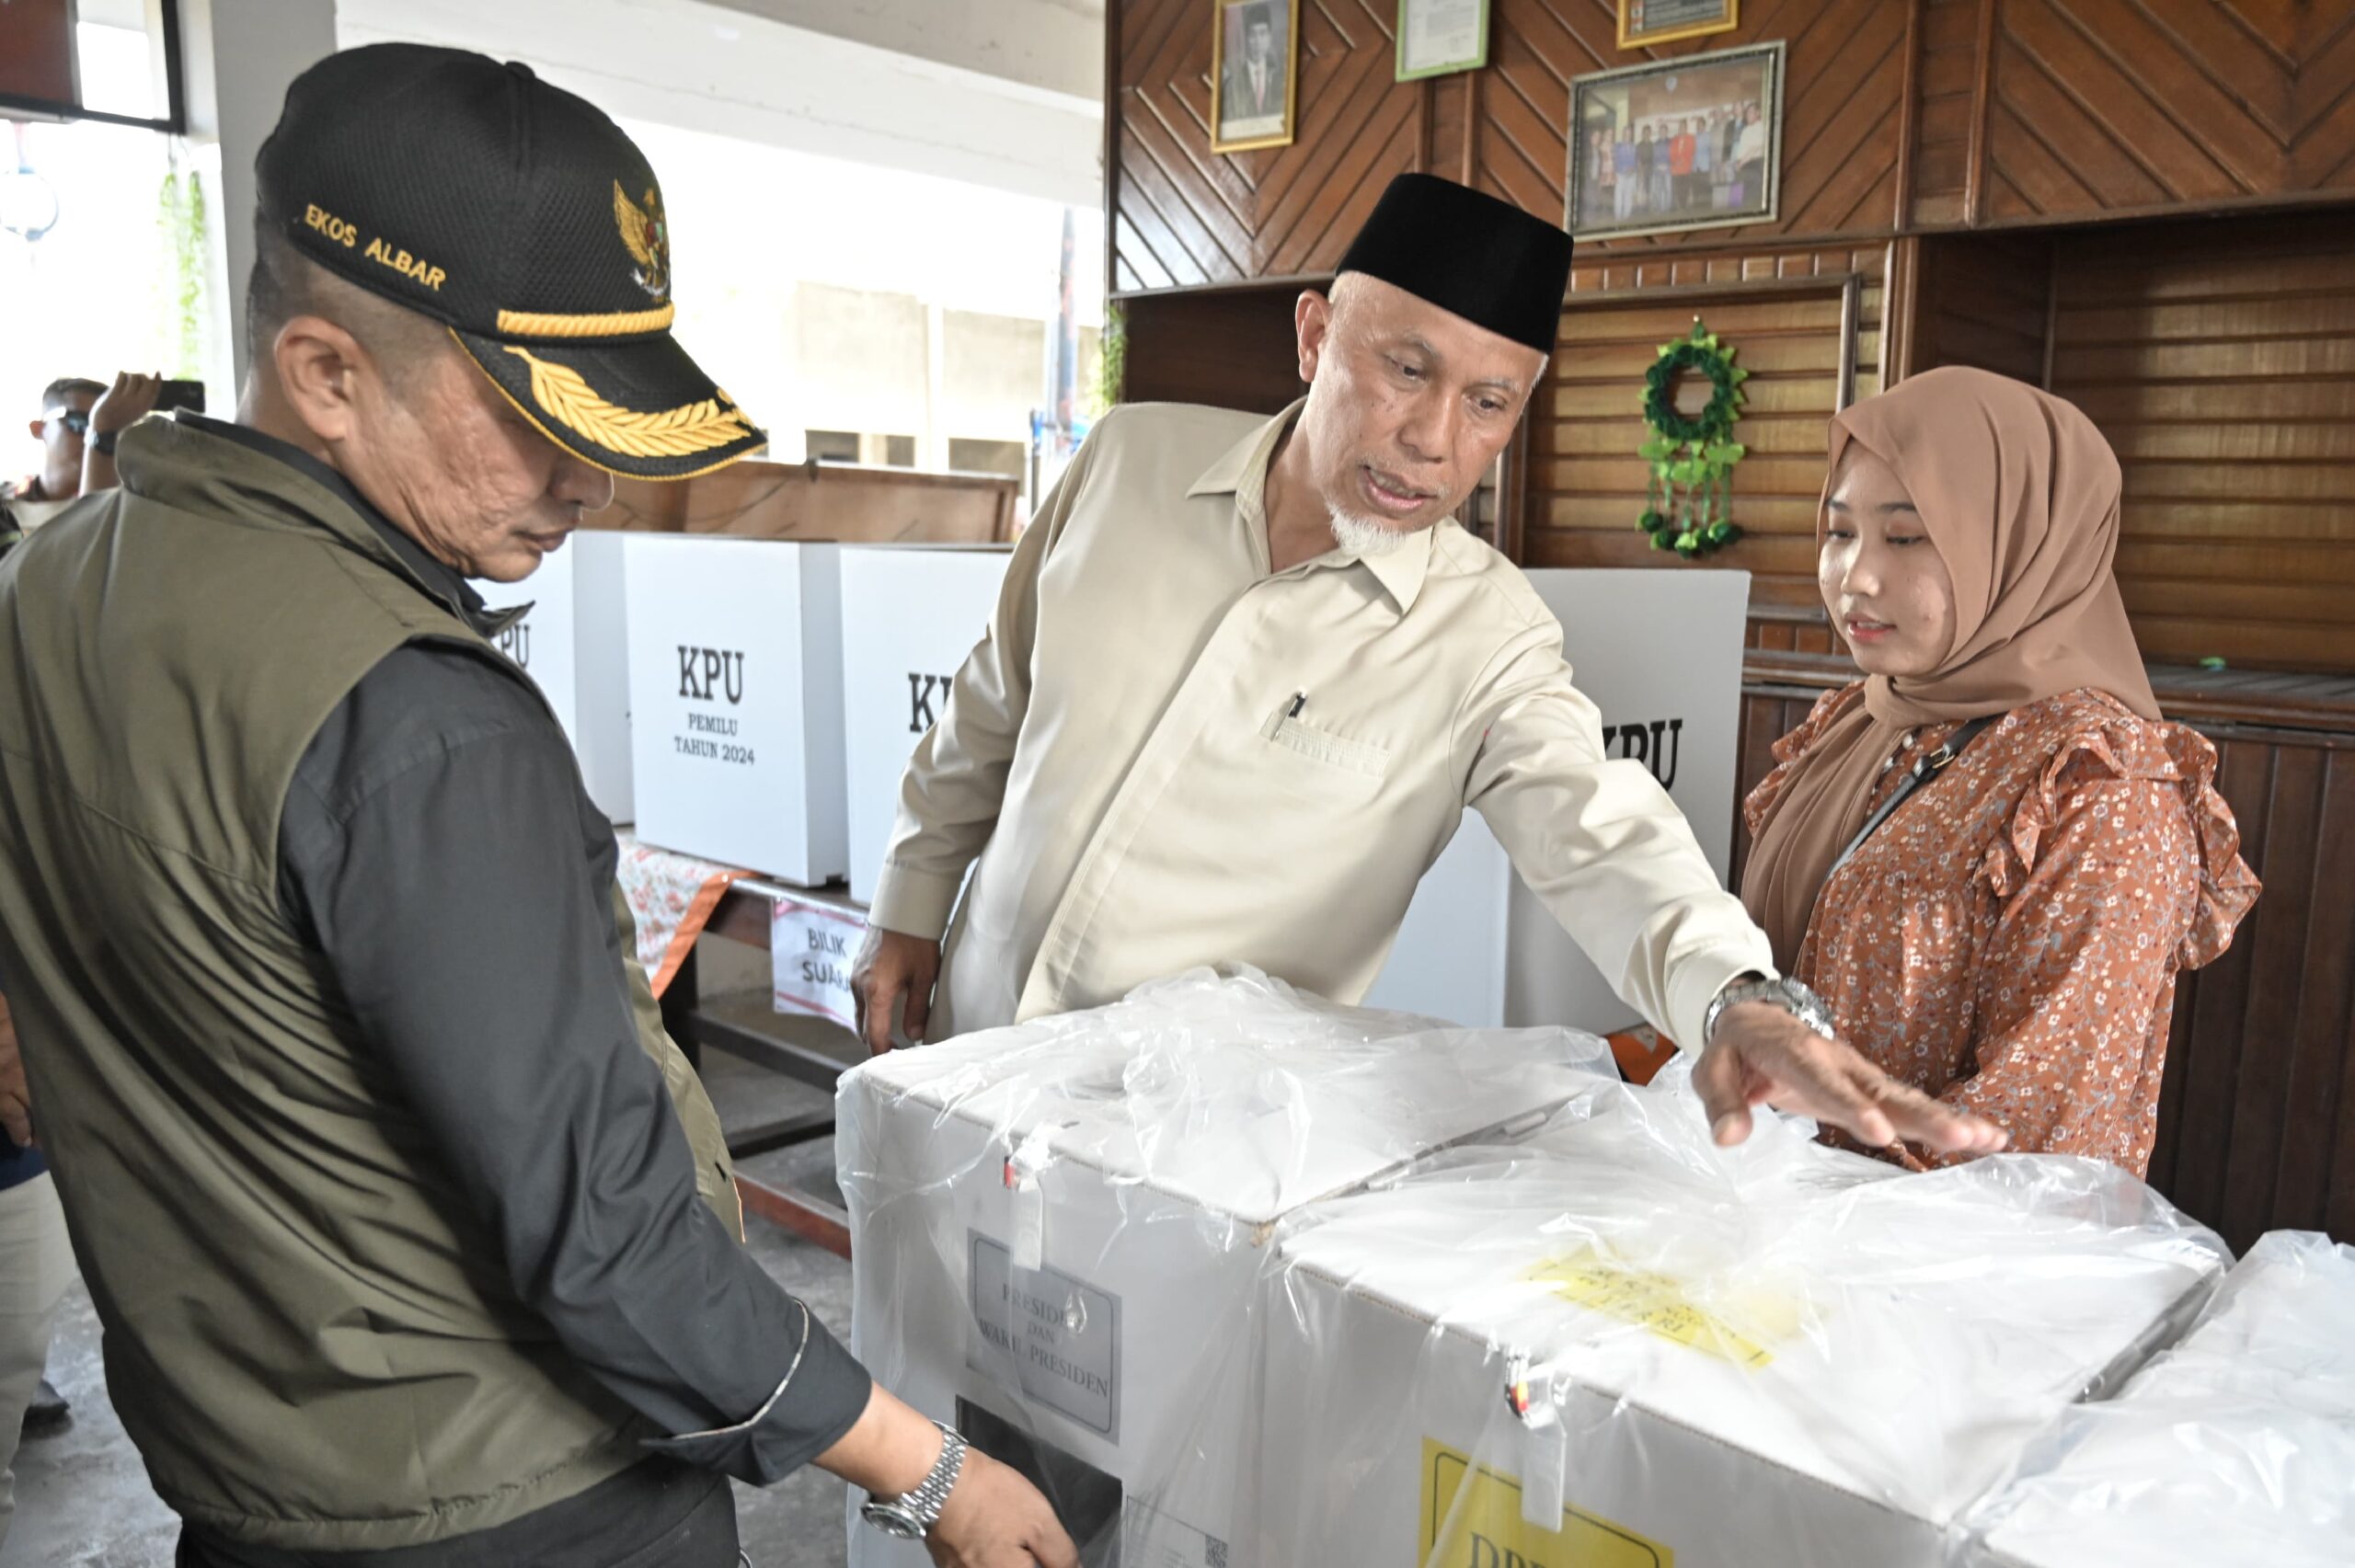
(1925, 769)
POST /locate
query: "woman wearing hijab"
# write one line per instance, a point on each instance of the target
(2006, 938)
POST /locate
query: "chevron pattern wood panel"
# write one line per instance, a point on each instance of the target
(1184, 216)
(2085, 107)
(1840, 117)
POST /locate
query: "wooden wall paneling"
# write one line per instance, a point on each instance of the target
(2277, 958)
(1784, 311)
(1229, 348)
(2315, 1182)
(1946, 117)
(1844, 88)
(1909, 111)
(2110, 106)
(1984, 300)
(2220, 362)
(1183, 215)
(2257, 1118)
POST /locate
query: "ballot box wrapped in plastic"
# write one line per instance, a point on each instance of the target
(2238, 1446)
(1057, 1229)
(1610, 1343)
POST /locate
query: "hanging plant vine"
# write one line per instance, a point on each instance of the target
(1111, 362)
(1689, 506)
(181, 215)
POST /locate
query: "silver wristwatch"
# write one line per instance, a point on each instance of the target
(1785, 992)
(912, 1515)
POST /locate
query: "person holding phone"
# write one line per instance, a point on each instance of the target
(129, 400)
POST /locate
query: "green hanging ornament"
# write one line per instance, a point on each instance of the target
(1689, 501)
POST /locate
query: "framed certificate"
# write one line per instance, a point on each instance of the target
(1643, 23)
(1436, 37)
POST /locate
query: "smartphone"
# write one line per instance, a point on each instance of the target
(188, 394)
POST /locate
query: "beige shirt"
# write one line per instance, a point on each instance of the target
(1165, 755)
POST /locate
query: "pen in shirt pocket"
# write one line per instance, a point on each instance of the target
(1299, 701)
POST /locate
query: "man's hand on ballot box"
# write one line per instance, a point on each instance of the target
(993, 1519)
(894, 976)
(1760, 1054)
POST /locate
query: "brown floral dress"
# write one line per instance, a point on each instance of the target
(2009, 940)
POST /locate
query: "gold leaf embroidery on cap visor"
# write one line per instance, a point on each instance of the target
(684, 431)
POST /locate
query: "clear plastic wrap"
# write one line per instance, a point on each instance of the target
(1057, 1227)
(1609, 1342)
(2235, 1446)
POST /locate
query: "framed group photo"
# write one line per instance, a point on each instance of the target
(1255, 59)
(1695, 142)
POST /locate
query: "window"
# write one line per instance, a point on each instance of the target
(986, 457)
(832, 446)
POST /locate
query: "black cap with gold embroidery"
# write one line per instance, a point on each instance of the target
(522, 218)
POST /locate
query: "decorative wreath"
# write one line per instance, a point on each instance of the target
(1689, 506)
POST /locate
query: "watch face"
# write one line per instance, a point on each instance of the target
(891, 1521)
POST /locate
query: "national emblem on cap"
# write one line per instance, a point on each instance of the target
(646, 238)
(523, 219)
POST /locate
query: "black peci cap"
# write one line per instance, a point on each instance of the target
(1469, 254)
(522, 217)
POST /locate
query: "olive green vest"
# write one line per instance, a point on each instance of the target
(309, 1335)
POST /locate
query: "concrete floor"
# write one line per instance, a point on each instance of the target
(83, 1499)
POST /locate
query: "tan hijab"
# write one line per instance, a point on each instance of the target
(2018, 494)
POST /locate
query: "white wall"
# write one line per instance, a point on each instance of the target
(241, 55)
(1054, 44)
(702, 67)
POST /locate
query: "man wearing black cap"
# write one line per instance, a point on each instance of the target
(414, 1238)
(1247, 675)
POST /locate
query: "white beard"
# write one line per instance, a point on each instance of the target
(1363, 536)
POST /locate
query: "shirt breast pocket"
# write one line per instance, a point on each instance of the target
(1322, 761)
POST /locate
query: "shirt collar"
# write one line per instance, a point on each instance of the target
(1242, 472)
(441, 580)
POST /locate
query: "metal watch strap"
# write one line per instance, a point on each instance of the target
(1785, 992)
(919, 1509)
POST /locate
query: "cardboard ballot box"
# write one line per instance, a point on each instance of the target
(1660, 652)
(911, 614)
(573, 641)
(736, 700)
(2237, 1446)
(1615, 1346)
(1057, 1228)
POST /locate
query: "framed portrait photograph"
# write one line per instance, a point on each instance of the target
(1437, 37)
(1690, 143)
(1254, 53)
(1643, 23)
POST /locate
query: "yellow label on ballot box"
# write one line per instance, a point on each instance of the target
(1472, 1519)
(1731, 1329)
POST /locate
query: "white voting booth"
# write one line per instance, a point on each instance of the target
(736, 700)
(911, 614)
(573, 642)
(1660, 652)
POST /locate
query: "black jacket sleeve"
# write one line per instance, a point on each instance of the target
(438, 850)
